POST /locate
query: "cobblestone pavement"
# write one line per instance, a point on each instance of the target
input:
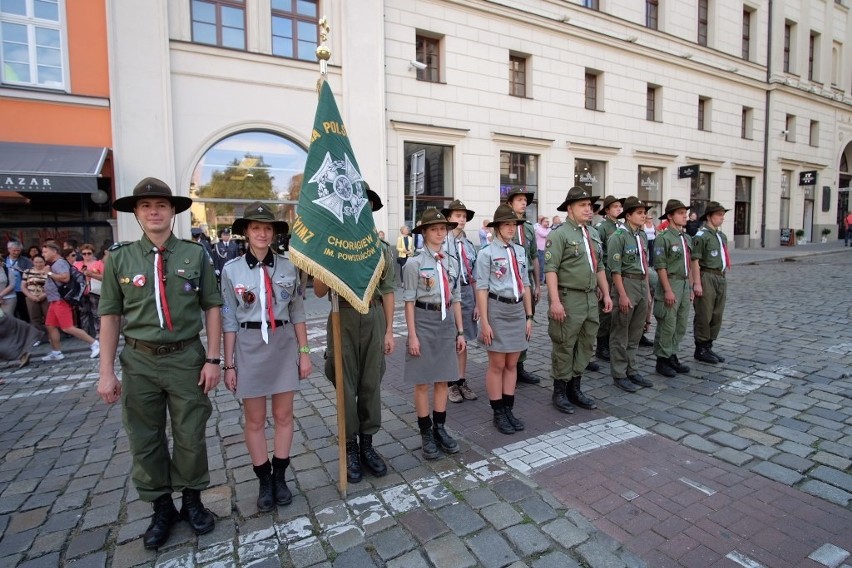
(741, 464)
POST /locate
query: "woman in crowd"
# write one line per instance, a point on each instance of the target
(404, 247)
(505, 308)
(266, 345)
(651, 235)
(33, 289)
(542, 230)
(33, 252)
(93, 268)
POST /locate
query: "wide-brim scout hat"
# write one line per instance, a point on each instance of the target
(433, 217)
(505, 214)
(516, 191)
(712, 207)
(609, 200)
(373, 197)
(672, 205)
(151, 187)
(260, 213)
(576, 194)
(630, 204)
(458, 206)
(596, 207)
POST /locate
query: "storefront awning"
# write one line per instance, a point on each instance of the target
(47, 168)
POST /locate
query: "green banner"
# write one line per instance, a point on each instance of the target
(334, 237)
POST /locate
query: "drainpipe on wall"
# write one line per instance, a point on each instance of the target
(766, 130)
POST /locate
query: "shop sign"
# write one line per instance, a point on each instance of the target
(808, 178)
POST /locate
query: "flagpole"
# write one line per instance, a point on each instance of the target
(323, 55)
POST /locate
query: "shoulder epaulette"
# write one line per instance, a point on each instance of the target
(118, 245)
(191, 241)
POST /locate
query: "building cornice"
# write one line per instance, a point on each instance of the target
(658, 156)
(429, 129)
(53, 97)
(521, 140)
(595, 149)
(705, 162)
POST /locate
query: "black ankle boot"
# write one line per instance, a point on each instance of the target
(576, 396)
(193, 511)
(165, 515)
(429, 447)
(678, 366)
(713, 353)
(525, 376)
(265, 500)
(516, 422)
(282, 493)
(665, 367)
(353, 462)
(370, 458)
(501, 421)
(703, 354)
(560, 397)
(443, 439)
(602, 352)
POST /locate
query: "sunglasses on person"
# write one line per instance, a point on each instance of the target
(87, 253)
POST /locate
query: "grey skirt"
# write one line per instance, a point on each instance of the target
(438, 361)
(508, 324)
(264, 370)
(468, 303)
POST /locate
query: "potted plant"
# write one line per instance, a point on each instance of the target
(825, 232)
(800, 236)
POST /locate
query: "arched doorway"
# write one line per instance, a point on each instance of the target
(844, 204)
(241, 168)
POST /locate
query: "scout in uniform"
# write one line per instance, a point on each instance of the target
(505, 302)
(574, 274)
(710, 263)
(627, 260)
(224, 251)
(525, 237)
(367, 340)
(611, 209)
(159, 284)
(432, 306)
(672, 259)
(459, 247)
(266, 345)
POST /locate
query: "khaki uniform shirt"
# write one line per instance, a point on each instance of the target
(128, 288)
(494, 268)
(529, 243)
(451, 246)
(421, 281)
(623, 251)
(566, 255)
(387, 281)
(605, 229)
(706, 248)
(669, 254)
(241, 285)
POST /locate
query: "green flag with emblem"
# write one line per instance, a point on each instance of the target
(334, 237)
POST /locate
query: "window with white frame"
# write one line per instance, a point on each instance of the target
(31, 42)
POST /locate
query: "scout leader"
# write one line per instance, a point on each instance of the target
(574, 275)
(266, 346)
(518, 200)
(710, 263)
(435, 333)
(672, 259)
(459, 247)
(504, 300)
(366, 340)
(159, 284)
(627, 260)
(611, 209)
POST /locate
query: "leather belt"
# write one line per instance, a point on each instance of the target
(677, 277)
(565, 290)
(427, 306)
(257, 324)
(633, 276)
(159, 348)
(512, 301)
(713, 271)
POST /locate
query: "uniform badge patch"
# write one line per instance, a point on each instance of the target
(547, 243)
(616, 256)
(714, 253)
(248, 298)
(186, 261)
(124, 280)
(548, 255)
(675, 248)
(285, 295)
(139, 280)
(239, 289)
(187, 287)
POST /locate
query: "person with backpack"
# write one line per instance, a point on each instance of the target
(60, 314)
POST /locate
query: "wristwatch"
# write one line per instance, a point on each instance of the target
(215, 361)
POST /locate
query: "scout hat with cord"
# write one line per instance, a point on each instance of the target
(433, 217)
(457, 205)
(261, 213)
(505, 214)
(576, 194)
(516, 191)
(630, 204)
(712, 207)
(672, 205)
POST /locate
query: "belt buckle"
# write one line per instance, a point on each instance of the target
(161, 350)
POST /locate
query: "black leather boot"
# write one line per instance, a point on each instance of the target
(525, 376)
(665, 367)
(703, 354)
(443, 439)
(265, 499)
(429, 447)
(165, 515)
(370, 458)
(624, 384)
(645, 342)
(193, 511)
(678, 366)
(560, 397)
(353, 462)
(516, 422)
(602, 352)
(576, 396)
(592, 366)
(282, 493)
(501, 422)
(713, 353)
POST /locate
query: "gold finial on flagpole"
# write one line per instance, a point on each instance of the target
(323, 52)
